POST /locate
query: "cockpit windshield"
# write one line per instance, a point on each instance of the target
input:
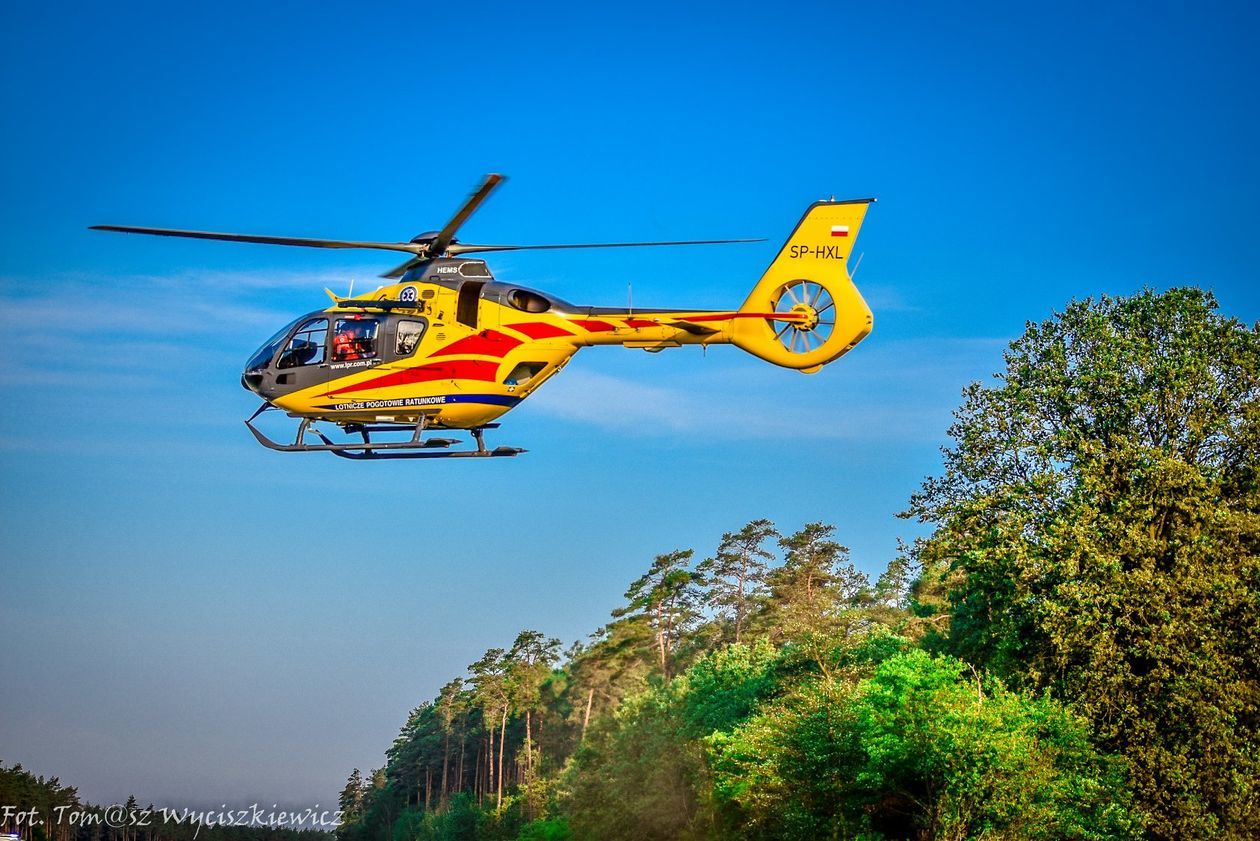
(264, 354)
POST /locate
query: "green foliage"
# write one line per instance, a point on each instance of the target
(724, 688)
(1099, 536)
(547, 829)
(921, 749)
(636, 775)
(616, 665)
(460, 821)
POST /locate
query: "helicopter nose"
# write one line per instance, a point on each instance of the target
(251, 381)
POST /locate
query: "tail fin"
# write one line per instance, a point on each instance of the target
(810, 282)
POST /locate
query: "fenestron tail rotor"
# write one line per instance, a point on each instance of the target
(815, 316)
(422, 248)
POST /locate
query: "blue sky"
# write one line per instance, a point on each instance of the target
(191, 618)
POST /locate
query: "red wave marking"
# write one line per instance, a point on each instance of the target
(471, 369)
(594, 326)
(538, 330)
(486, 343)
(641, 322)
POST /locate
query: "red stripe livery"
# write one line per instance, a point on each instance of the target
(486, 343)
(470, 369)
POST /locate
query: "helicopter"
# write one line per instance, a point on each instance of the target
(446, 347)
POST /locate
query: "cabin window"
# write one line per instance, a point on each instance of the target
(527, 301)
(408, 337)
(354, 338)
(524, 372)
(307, 345)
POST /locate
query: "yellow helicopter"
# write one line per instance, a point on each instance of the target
(448, 347)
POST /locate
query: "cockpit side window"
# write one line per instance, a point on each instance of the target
(354, 338)
(307, 346)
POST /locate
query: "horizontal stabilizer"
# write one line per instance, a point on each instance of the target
(694, 329)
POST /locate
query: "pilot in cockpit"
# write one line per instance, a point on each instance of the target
(350, 342)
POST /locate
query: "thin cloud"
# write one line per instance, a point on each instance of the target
(901, 391)
(627, 406)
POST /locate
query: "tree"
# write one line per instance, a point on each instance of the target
(813, 584)
(668, 596)
(737, 572)
(529, 663)
(491, 693)
(611, 668)
(351, 800)
(1099, 536)
(641, 774)
(451, 703)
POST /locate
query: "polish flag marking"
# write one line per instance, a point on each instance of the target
(839, 230)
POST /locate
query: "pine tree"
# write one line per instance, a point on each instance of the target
(668, 596)
(611, 668)
(350, 803)
(736, 574)
(491, 694)
(529, 663)
(450, 704)
(814, 583)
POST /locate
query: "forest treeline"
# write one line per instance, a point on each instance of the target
(38, 808)
(1072, 652)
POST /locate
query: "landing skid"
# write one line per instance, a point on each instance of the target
(416, 447)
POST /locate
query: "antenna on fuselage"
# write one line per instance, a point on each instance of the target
(630, 297)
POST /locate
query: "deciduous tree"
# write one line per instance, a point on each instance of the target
(1099, 536)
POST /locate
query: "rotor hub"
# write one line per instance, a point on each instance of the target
(810, 317)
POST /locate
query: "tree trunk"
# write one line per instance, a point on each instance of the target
(459, 775)
(660, 639)
(490, 775)
(529, 746)
(446, 760)
(477, 771)
(502, 733)
(586, 719)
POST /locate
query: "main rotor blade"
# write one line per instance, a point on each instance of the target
(461, 248)
(440, 244)
(399, 271)
(409, 247)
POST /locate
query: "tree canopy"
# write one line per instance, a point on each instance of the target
(1097, 530)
